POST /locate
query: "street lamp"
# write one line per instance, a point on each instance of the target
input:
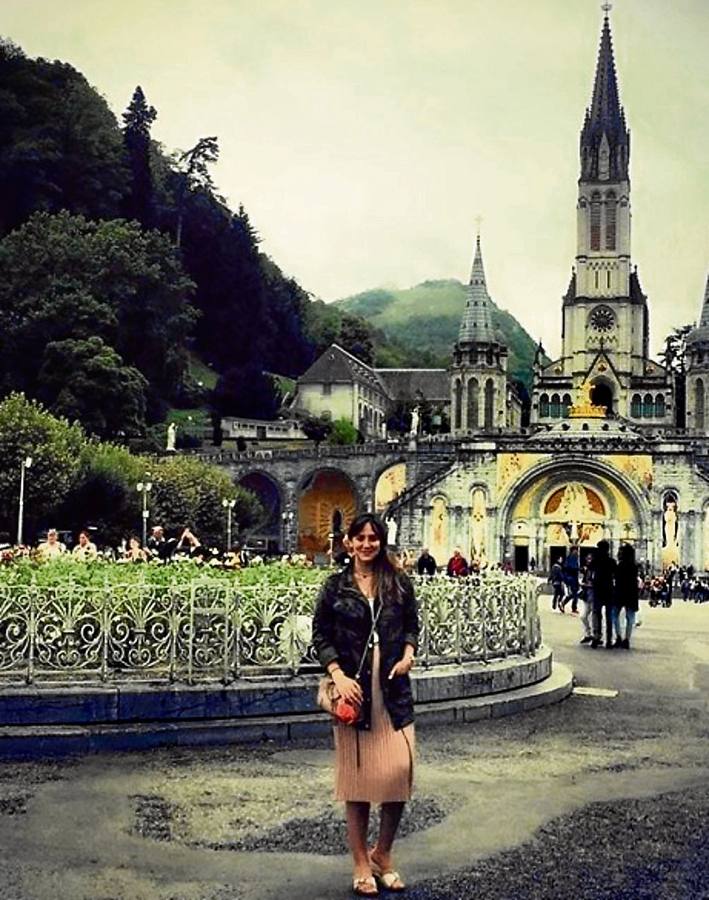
(287, 518)
(144, 488)
(229, 507)
(24, 465)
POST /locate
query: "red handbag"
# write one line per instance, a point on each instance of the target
(329, 698)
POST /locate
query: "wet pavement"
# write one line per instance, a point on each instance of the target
(595, 798)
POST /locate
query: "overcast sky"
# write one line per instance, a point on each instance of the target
(364, 137)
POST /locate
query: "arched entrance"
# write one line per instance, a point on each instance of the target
(327, 504)
(265, 536)
(602, 395)
(390, 484)
(575, 501)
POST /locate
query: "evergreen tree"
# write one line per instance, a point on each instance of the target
(138, 119)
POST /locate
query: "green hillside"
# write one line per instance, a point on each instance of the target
(427, 318)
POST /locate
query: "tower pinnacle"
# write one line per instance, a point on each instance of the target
(477, 318)
(605, 140)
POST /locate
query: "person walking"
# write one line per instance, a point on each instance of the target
(587, 600)
(556, 577)
(626, 595)
(374, 759)
(571, 578)
(603, 573)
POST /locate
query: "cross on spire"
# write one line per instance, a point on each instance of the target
(478, 222)
(607, 7)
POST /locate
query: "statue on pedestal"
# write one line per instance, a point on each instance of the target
(171, 437)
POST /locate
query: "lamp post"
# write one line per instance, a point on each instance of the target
(287, 518)
(229, 507)
(331, 545)
(144, 488)
(24, 465)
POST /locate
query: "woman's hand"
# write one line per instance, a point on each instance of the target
(403, 667)
(349, 689)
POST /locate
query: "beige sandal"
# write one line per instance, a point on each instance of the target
(390, 880)
(359, 886)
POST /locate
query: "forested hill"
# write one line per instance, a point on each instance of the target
(426, 318)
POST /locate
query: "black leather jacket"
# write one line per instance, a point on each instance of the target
(341, 626)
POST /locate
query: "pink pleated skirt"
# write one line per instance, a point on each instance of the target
(381, 770)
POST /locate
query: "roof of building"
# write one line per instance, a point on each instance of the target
(701, 333)
(605, 118)
(476, 325)
(432, 384)
(338, 365)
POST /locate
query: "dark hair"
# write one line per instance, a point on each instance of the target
(604, 548)
(388, 585)
(626, 554)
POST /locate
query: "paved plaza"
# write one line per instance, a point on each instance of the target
(597, 797)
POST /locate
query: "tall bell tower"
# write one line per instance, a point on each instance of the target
(604, 307)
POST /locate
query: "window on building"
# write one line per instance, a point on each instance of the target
(489, 404)
(555, 407)
(544, 406)
(473, 404)
(458, 405)
(326, 389)
(565, 405)
(596, 221)
(660, 406)
(648, 407)
(699, 405)
(611, 206)
(636, 406)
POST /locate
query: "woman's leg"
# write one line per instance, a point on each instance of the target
(357, 824)
(390, 817)
(629, 622)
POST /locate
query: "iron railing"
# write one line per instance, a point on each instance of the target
(218, 629)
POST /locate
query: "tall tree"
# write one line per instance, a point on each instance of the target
(138, 120)
(193, 166)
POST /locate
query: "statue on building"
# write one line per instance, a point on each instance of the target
(415, 419)
(392, 531)
(171, 437)
(670, 531)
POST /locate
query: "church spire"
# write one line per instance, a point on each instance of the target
(477, 318)
(704, 320)
(605, 139)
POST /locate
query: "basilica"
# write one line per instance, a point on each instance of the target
(614, 444)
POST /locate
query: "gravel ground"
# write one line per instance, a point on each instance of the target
(645, 850)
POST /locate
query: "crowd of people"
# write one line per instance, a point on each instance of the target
(158, 548)
(606, 593)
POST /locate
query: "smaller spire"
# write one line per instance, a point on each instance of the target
(704, 319)
(476, 325)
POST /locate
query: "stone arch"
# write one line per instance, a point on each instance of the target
(537, 484)
(565, 405)
(648, 406)
(602, 394)
(544, 406)
(270, 494)
(389, 482)
(322, 493)
(636, 406)
(660, 406)
(555, 406)
(439, 530)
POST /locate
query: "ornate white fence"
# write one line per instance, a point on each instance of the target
(219, 629)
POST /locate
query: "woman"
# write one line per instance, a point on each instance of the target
(626, 595)
(135, 552)
(374, 758)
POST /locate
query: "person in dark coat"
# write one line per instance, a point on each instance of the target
(426, 564)
(367, 615)
(604, 569)
(626, 595)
